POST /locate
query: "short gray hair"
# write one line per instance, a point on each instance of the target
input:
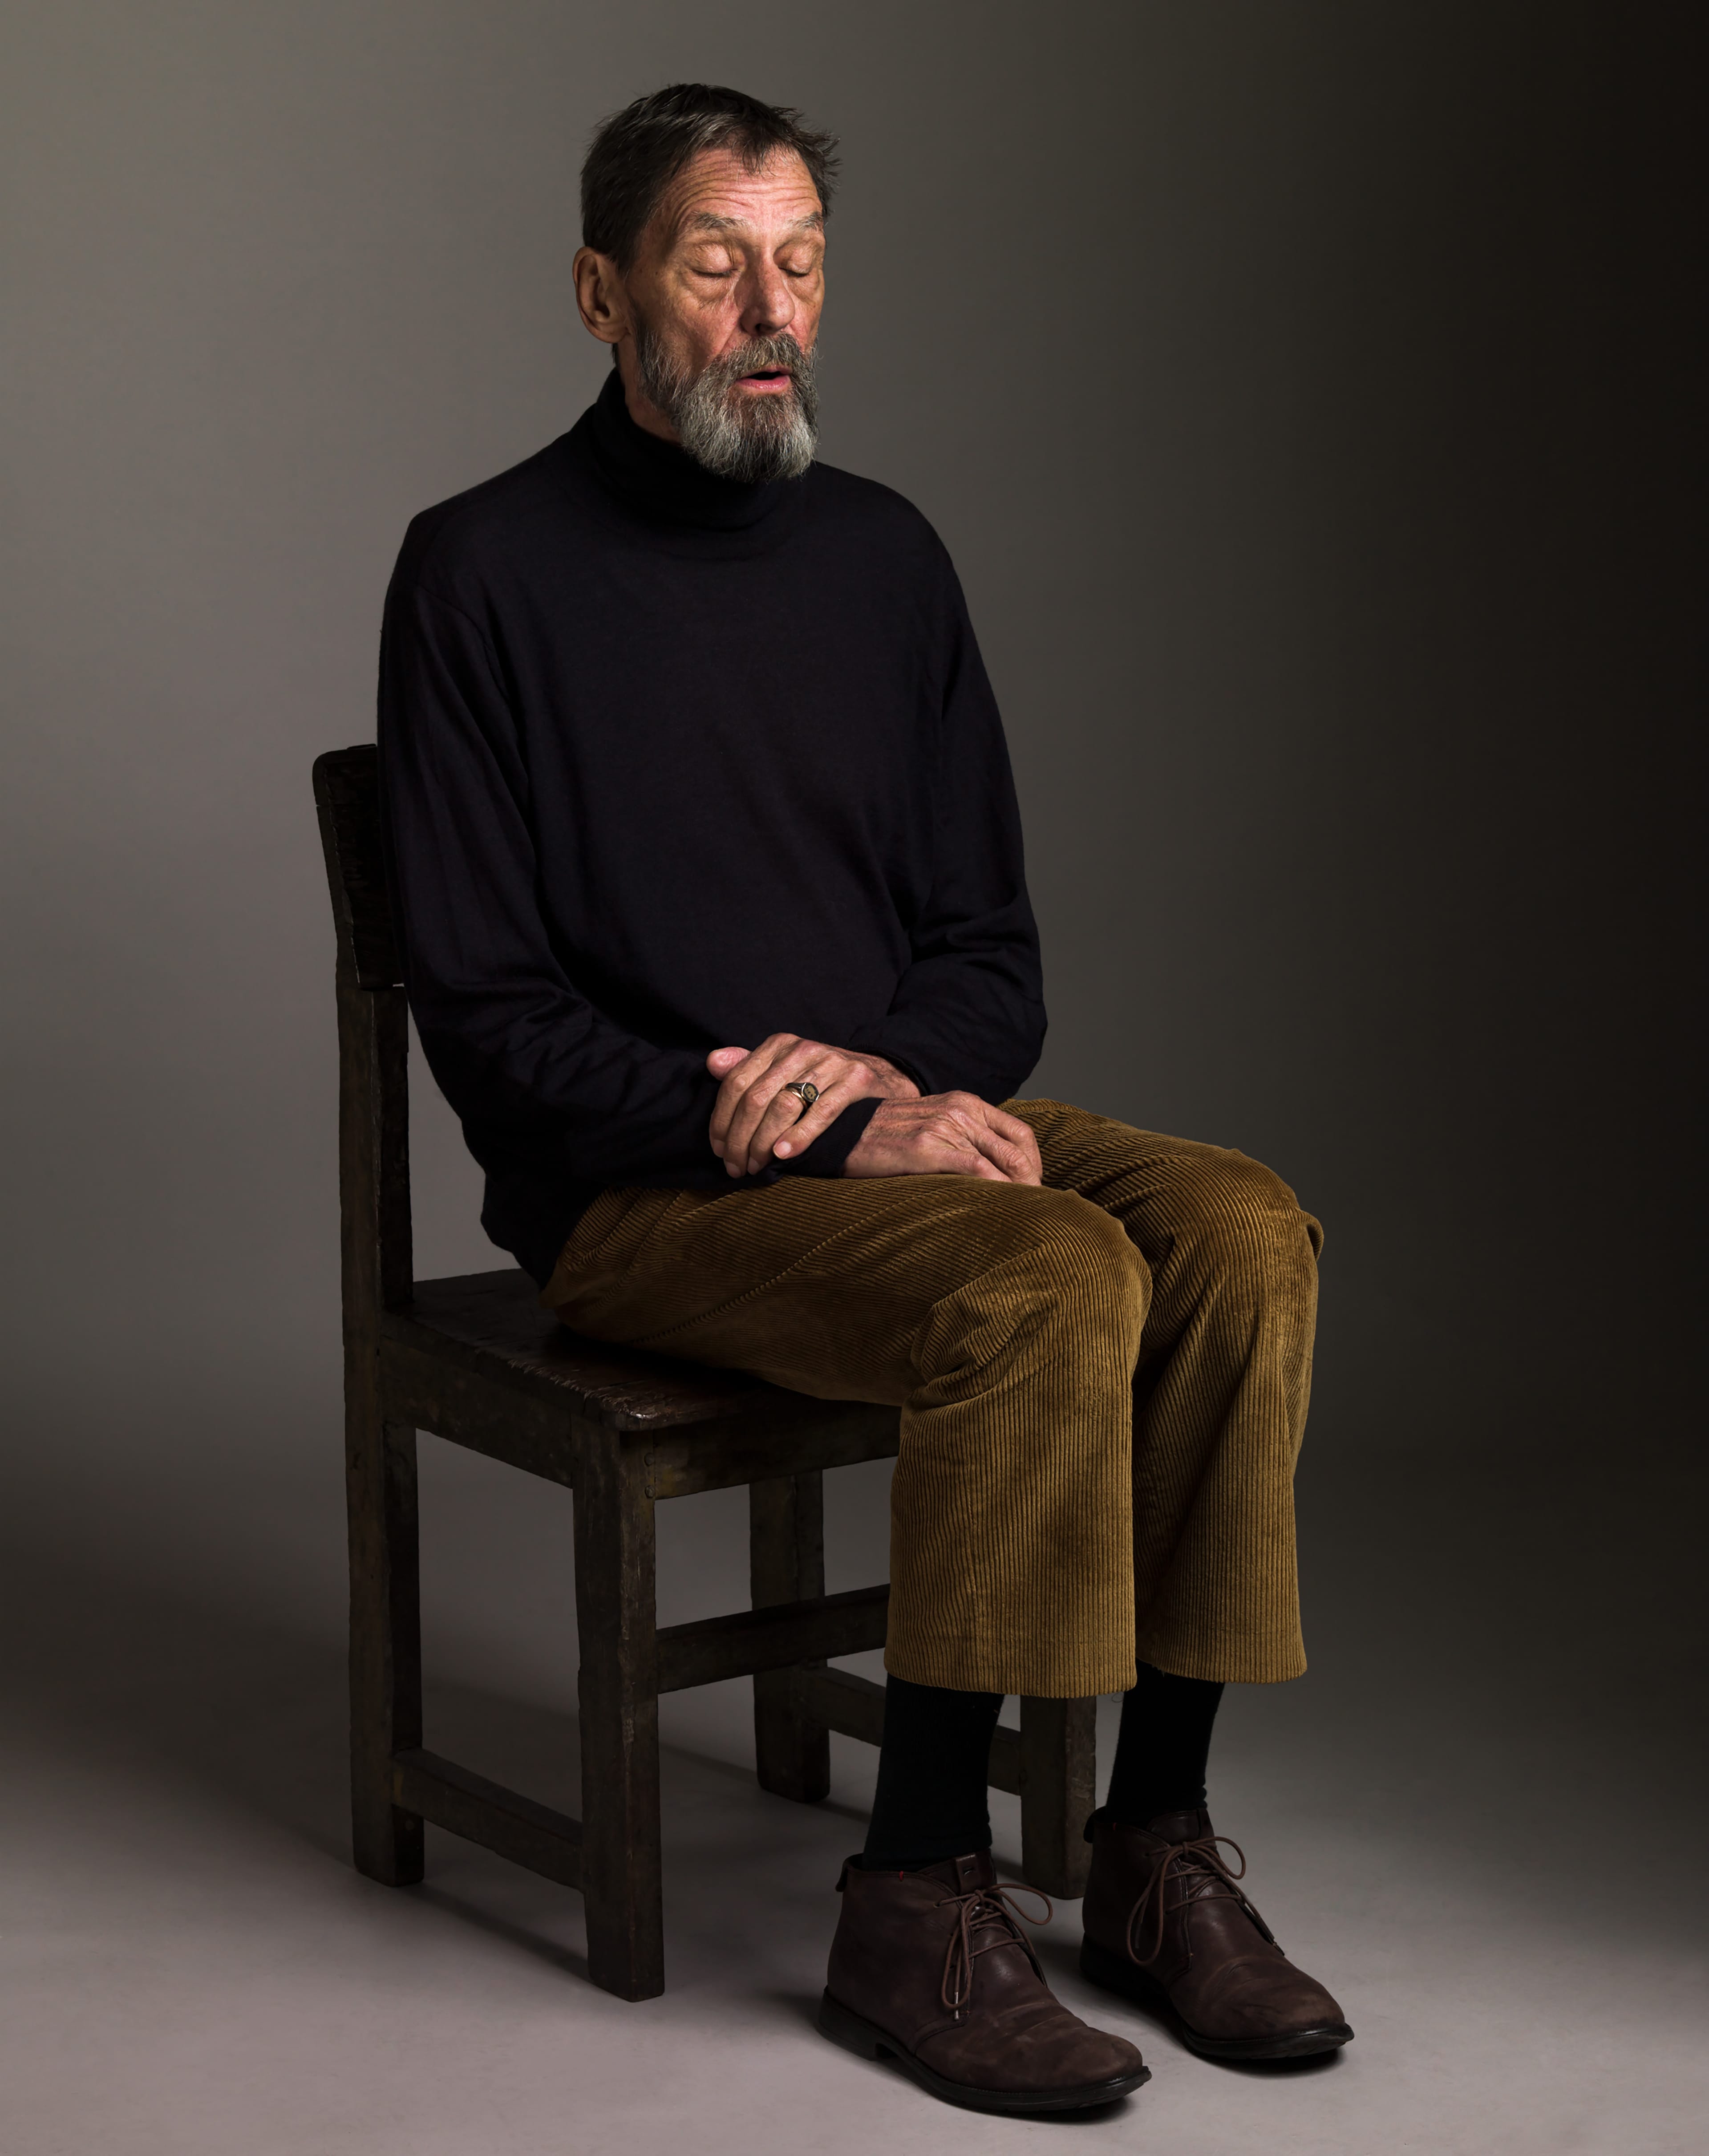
(635, 154)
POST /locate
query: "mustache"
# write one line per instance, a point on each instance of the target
(759, 355)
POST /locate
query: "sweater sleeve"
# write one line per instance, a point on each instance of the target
(969, 1014)
(511, 1041)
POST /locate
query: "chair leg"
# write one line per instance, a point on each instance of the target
(385, 1639)
(786, 1563)
(616, 1614)
(1059, 1789)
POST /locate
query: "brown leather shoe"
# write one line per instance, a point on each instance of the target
(1167, 1924)
(931, 1969)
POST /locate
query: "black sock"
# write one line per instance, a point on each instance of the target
(933, 1773)
(1161, 1752)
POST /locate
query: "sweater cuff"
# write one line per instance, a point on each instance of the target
(829, 1152)
(870, 1042)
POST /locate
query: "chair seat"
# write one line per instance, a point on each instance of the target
(491, 1324)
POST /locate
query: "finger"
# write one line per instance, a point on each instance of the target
(737, 1082)
(722, 1063)
(789, 1063)
(748, 1102)
(1021, 1156)
(937, 1144)
(1016, 1167)
(953, 1139)
(1012, 1127)
(968, 1160)
(813, 1121)
(841, 1079)
(1011, 1158)
(784, 1113)
(1009, 1126)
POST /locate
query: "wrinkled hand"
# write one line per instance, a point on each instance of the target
(946, 1134)
(756, 1121)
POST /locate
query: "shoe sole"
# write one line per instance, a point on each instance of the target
(868, 2041)
(1113, 1972)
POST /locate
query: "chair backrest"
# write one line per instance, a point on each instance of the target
(373, 1044)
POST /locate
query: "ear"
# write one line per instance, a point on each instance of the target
(600, 298)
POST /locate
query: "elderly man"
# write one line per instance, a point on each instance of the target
(708, 871)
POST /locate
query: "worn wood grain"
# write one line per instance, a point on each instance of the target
(714, 1648)
(385, 1638)
(786, 1518)
(385, 1619)
(715, 1428)
(424, 1388)
(501, 1819)
(491, 1325)
(616, 1618)
(782, 1433)
(347, 797)
(373, 1146)
(1059, 1740)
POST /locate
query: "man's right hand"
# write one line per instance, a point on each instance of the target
(946, 1134)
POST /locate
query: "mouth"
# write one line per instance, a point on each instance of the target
(768, 379)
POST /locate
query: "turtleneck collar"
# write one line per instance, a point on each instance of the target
(663, 482)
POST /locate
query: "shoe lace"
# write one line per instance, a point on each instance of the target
(1198, 1869)
(985, 1908)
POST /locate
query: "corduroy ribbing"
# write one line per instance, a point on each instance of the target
(1103, 1385)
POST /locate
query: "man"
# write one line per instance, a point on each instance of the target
(708, 872)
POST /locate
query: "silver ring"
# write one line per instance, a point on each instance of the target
(804, 1091)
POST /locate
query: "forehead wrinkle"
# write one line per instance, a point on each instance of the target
(709, 221)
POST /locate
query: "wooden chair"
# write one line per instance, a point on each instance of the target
(475, 1360)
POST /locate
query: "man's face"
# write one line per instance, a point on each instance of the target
(716, 319)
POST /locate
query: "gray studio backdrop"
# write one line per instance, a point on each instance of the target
(1299, 390)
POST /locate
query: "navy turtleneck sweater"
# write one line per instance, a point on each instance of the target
(671, 763)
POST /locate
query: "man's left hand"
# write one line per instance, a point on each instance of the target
(756, 1121)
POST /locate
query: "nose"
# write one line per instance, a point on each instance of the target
(767, 302)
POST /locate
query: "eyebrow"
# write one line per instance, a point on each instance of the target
(704, 221)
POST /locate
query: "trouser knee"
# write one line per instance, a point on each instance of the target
(1249, 1227)
(1070, 1285)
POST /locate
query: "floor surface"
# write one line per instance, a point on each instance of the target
(191, 1967)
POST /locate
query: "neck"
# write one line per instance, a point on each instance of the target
(652, 475)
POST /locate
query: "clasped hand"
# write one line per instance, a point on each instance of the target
(756, 1122)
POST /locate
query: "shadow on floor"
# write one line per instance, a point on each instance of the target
(1442, 1715)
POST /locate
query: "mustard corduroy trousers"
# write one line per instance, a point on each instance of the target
(1103, 1385)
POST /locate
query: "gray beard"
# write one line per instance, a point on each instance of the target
(729, 434)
